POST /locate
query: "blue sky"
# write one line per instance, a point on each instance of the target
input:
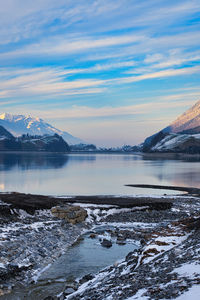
(108, 71)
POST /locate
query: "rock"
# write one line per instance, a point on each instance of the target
(71, 214)
(86, 278)
(161, 243)
(194, 224)
(11, 271)
(142, 242)
(78, 240)
(93, 235)
(70, 287)
(106, 243)
(69, 291)
(121, 240)
(121, 243)
(4, 291)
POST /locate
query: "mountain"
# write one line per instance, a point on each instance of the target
(187, 121)
(20, 124)
(180, 135)
(191, 131)
(54, 143)
(178, 143)
(83, 147)
(5, 133)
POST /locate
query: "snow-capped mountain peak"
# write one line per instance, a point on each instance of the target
(10, 117)
(188, 120)
(188, 123)
(20, 124)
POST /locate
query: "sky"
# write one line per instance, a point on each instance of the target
(110, 72)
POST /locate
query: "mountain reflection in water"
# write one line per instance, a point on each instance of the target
(26, 161)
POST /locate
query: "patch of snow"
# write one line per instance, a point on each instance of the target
(22, 213)
(130, 224)
(100, 213)
(125, 271)
(24, 264)
(138, 295)
(17, 226)
(93, 282)
(91, 213)
(172, 241)
(39, 273)
(192, 294)
(189, 270)
(4, 203)
(121, 210)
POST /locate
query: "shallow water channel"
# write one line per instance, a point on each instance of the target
(87, 256)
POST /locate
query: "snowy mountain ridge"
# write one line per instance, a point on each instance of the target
(20, 124)
(15, 118)
(182, 135)
(175, 142)
(188, 120)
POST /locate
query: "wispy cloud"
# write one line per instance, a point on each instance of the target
(150, 44)
(49, 81)
(153, 106)
(161, 74)
(159, 61)
(44, 82)
(64, 45)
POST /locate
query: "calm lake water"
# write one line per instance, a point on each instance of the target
(91, 174)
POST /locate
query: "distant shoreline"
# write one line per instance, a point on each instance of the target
(144, 154)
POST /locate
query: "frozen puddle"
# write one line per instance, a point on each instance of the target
(88, 256)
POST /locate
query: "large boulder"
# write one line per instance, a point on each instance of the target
(71, 214)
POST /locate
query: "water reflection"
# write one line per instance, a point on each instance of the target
(26, 161)
(89, 174)
(170, 156)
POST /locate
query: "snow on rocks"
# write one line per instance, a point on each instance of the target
(31, 243)
(163, 241)
(188, 143)
(166, 266)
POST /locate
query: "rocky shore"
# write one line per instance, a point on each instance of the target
(29, 242)
(36, 230)
(165, 266)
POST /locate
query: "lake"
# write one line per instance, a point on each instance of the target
(92, 174)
